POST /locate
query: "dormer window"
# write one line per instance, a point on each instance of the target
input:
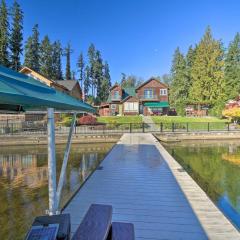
(116, 95)
(163, 92)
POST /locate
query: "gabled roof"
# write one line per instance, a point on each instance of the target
(151, 79)
(17, 89)
(69, 84)
(26, 70)
(127, 92)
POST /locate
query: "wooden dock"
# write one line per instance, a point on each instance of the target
(148, 188)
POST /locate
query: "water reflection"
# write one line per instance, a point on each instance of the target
(215, 166)
(24, 179)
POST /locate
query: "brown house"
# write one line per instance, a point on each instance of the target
(72, 86)
(153, 97)
(150, 98)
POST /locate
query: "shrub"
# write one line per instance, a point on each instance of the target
(87, 120)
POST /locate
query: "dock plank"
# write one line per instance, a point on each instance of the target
(142, 183)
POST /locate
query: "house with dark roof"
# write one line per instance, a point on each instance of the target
(73, 87)
(150, 98)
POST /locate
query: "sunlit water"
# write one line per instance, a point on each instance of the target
(215, 166)
(24, 182)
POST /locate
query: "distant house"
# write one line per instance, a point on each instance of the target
(41, 78)
(73, 87)
(150, 98)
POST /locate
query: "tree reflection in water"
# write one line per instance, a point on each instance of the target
(24, 182)
(215, 166)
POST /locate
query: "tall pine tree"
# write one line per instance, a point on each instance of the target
(106, 83)
(46, 60)
(92, 60)
(232, 68)
(80, 66)
(56, 61)
(68, 52)
(87, 81)
(207, 71)
(16, 37)
(32, 51)
(4, 34)
(190, 57)
(178, 91)
(98, 70)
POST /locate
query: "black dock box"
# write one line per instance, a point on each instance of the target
(64, 228)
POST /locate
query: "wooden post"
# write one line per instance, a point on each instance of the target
(143, 128)
(187, 126)
(161, 127)
(208, 126)
(172, 127)
(130, 127)
(228, 127)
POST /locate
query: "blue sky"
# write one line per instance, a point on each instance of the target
(135, 36)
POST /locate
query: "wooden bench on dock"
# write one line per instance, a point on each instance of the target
(97, 225)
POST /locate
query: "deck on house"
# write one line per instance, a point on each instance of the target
(148, 188)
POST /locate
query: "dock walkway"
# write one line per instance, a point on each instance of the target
(148, 188)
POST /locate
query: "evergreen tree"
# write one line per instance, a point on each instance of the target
(46, 60)
(56, 61)
(178, 91)
(232, 68)
(87, 81)
(32, 55)
(73, 75)
(68, 52)
(16, 37)
(4, 34)
(166, 78)
(106, 82)
(92, 60)
(98, 74)
(207, 71)
(80, 66)
(123, 79)
(190, 57)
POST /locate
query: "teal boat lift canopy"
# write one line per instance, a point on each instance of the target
(20, 92)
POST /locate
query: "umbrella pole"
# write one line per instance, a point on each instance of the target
(51, 163)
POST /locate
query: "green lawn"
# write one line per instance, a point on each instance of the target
(178, 119)
(120, 119)
(191, 123)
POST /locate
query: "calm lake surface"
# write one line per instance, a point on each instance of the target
(215, 166)
(24, 182)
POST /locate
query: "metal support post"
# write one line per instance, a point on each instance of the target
(51, 163)
(65, 160)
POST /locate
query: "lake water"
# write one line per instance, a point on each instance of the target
(215, 166)
(24, 182)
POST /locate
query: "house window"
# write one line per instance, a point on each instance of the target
(116, 95)
(131, 106)
(163, 92)
(113, 106)
(148, 93)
